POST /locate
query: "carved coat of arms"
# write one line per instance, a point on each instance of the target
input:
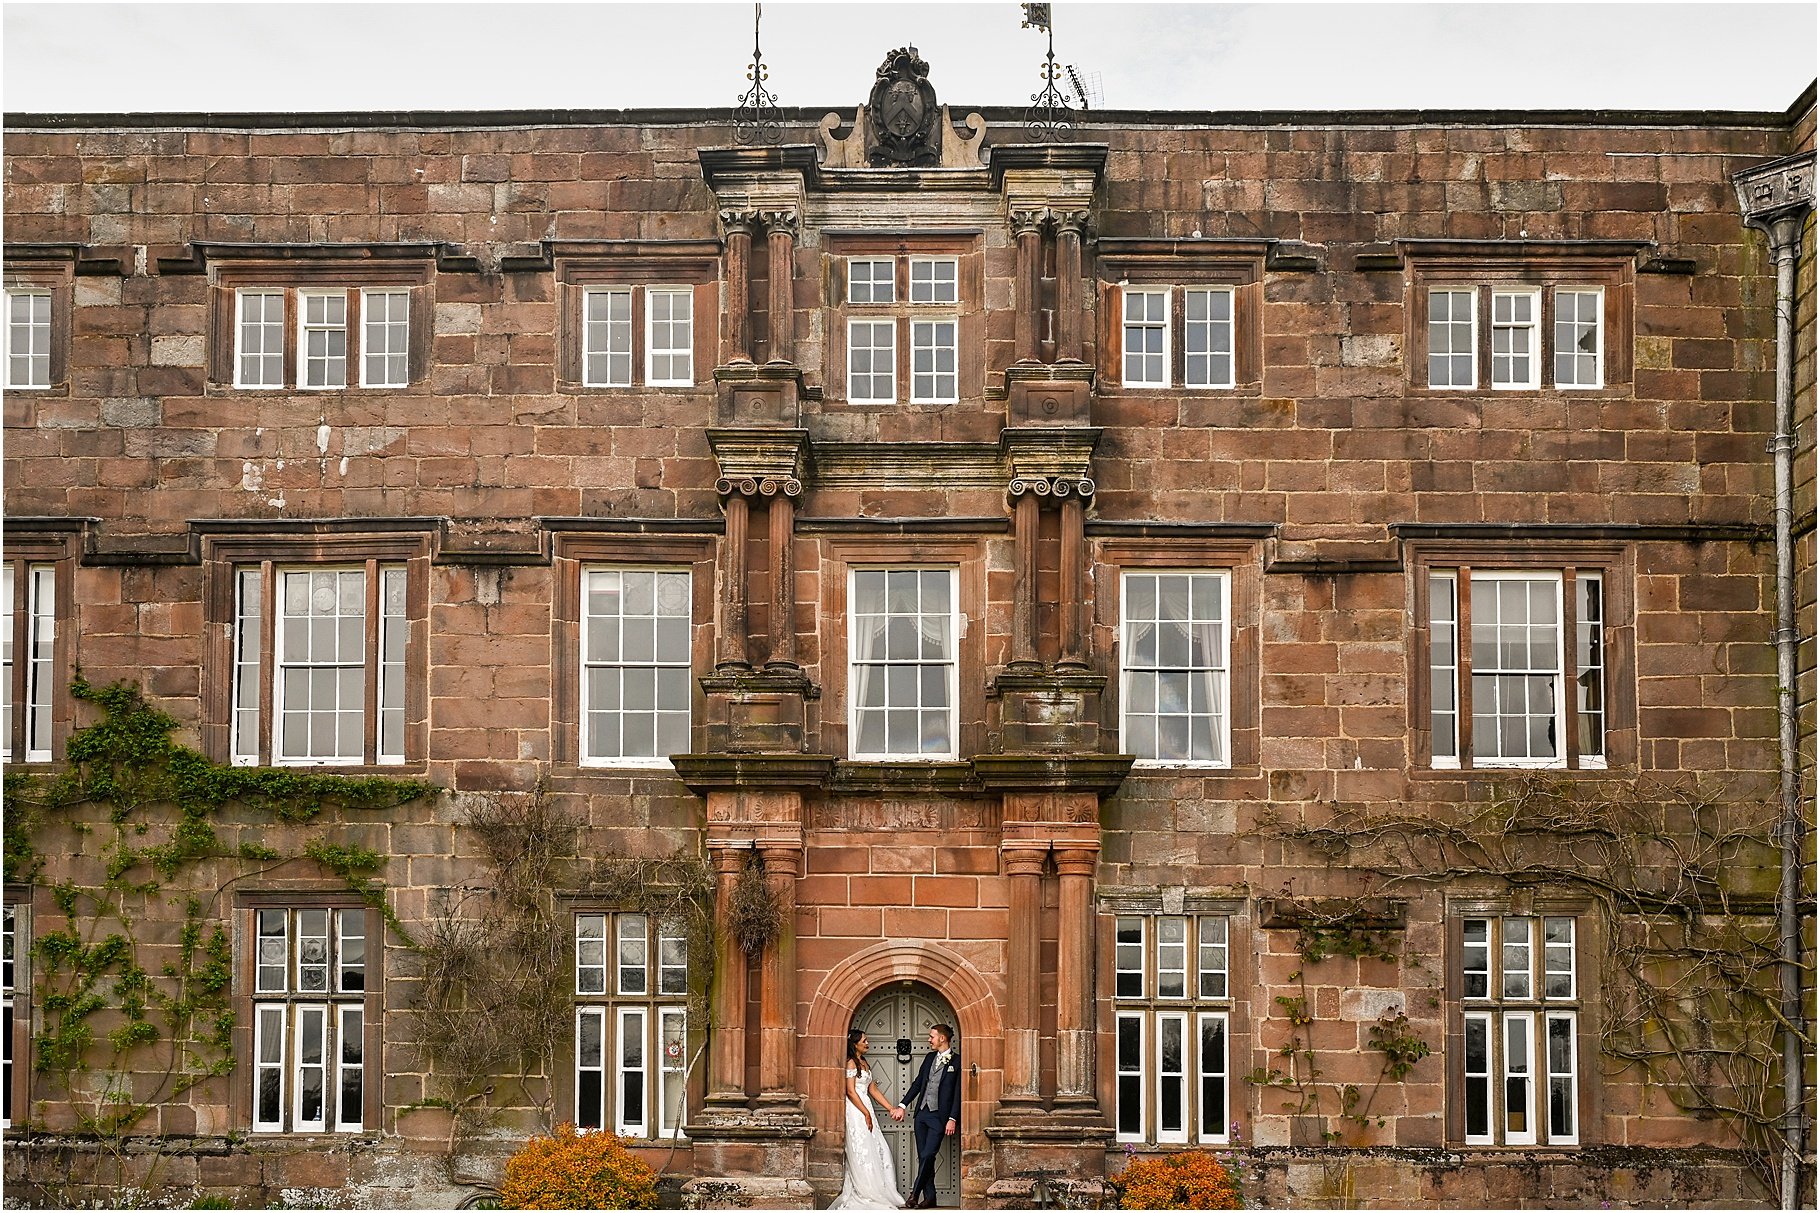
(903, 113)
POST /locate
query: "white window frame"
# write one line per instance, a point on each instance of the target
(935, 280)
(1120, 952)
(268, 328)
(672, 1075)
(248, 642)
(1212, 326)
(337, 1009)
(1223, 946)
(872, 280)
(1165, 1022)
(1568, 1074)
(623, 1126)
(1122, 1074)
(1533, 327)
(1202, 1073)
(925, 332)
(283, 670)
(875, 325)
(1221, 676)
(1589, 670)
(606, 1003)
(615, 332)
(1127, 324)
(39, 653)
(623, 934)
(950, 663)
(594, 751)
(1559, 675)
(37, 332)
(1152, 1009)
(1598, 329)
(386, 329)
(262, 1042)
(9, 997)
(1498, 1014)
(305, 327)
(595, 1015)
(685, 351)
(1185, 968)
(1444, 669)
(1472, 338)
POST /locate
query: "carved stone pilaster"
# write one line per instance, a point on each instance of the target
(1070, 232)
(739, 226)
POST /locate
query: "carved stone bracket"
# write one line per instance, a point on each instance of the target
(760, 462)
(1776, 188)
(1049, 461)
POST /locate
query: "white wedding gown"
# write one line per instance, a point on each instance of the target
(871, 1175)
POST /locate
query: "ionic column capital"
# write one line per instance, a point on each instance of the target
(741, 222)
(1030, 222)
(753, 487)
(778, 223)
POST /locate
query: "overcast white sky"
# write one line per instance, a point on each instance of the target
(301, 57)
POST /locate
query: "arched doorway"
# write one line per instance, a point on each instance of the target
(897, 1018)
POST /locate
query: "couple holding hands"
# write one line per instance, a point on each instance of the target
(933, 1099)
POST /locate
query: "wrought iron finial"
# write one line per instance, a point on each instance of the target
(1049, 118)
(756, 119)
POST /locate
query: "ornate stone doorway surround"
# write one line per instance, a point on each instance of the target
(831, 1010)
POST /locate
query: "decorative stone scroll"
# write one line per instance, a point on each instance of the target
(1056, 487)
(768, 486)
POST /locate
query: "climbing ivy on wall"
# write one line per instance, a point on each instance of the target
(134, 986)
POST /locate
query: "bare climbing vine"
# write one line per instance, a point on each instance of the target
(1683, 874)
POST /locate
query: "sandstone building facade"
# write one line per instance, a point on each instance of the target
(1261, 621)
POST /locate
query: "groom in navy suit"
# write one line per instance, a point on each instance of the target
(935, 1097)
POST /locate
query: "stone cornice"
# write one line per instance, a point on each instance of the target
(82, 259)
(760, 456)
(1098, 773)
(1688, 532)
(704, 773)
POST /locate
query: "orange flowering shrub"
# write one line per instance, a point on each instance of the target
(1192, 1179)
(570, 1170)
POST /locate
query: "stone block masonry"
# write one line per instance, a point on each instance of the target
(1248, 689)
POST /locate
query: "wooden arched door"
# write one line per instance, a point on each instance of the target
(896, 1019)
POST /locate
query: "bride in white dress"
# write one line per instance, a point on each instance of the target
(870, 1182)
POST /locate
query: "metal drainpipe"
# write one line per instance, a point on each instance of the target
(1777, 197)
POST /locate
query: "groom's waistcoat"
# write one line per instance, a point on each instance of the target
(946, 1088)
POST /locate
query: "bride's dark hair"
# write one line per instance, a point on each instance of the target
(853, 1039)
